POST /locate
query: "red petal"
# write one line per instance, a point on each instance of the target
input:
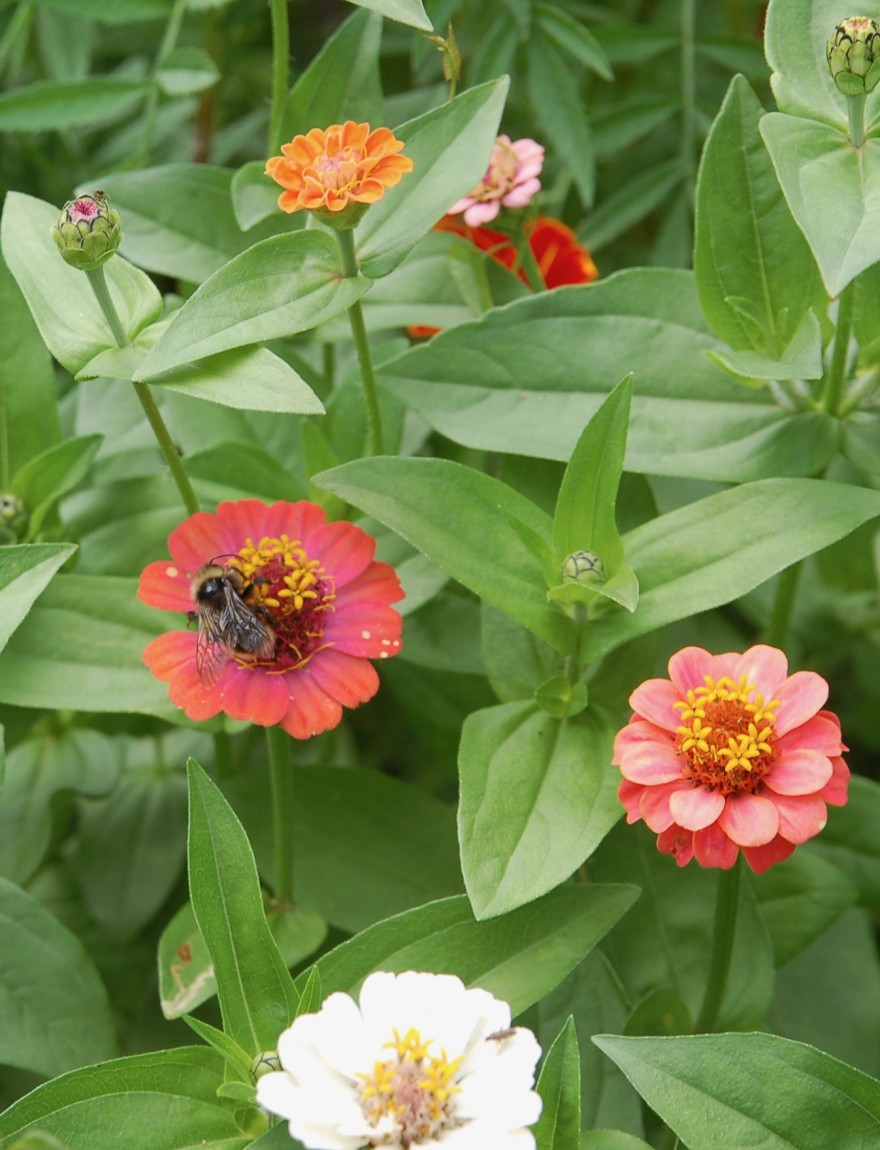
(310, 709)
(166, 586)
(343, 550)
(713, 848)
(762, 858)
(345, 678)
(835, 791)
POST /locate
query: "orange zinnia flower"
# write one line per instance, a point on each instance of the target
(329, 169)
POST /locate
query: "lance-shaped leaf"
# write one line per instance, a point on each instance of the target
(559, 1085)
(257, 998)
(704, 1089)
(537, 796)
(462, 520)
(409, 12)
(283, 285)
(756, 276)
(25, 572)
(52, 105)
(518, 958)
(450, 149)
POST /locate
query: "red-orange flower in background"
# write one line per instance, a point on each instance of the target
(731, 753)
(561, 259)
(329, 169)
(311, 586)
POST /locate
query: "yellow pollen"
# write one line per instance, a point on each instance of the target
(726, 736)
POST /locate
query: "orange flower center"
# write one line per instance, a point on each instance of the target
(408, 1097)
(338, 171)
(726, 738)
(294, 593)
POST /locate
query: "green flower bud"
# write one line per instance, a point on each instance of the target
(88, 231)
(13, 514)
(583, 567)
(265, 1063)
(853, 55)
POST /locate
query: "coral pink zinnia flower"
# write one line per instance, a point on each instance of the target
(315, 588)
(511, 180)
(732, 754)
(328, 169)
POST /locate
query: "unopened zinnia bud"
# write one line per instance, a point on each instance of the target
(853, 55)
(583, 567)
(88, 231)
(266, 1062)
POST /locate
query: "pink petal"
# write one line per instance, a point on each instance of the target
(696, 807)
(349, 680)
(310, 709)
(749, 820)
(689, 667)
(678, 842)
(713, 848)
(800, 816)
(799, 773)
(198, 540)
(821, 733)
(343, 550)
(648, 757)
(629, 795)
(522, 194)
(835, 791)
(479, 214)
(654, 806)
(762, 858)
(653, 700)
(252, 696)
(166, 586)
(764, 666)
(800, 697)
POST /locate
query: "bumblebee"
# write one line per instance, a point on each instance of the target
(228, 624)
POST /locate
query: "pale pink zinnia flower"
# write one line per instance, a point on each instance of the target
(732, 754)
(511, 180)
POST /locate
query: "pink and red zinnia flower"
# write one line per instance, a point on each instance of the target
(317, 587)
(731, 753)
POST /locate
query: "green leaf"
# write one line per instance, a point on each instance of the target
(709, 552)
(559, 1085)
(186, 973)
(80, 649)
(254, 197)
(25, 572)
(832, 191)
(747, 245)
(410, 12)
(802, 359)
(611, 1140)
(158, 1101)
(281, 286)
(185, 71)
(132, 849)
(26, 383)
(519, 958)
(46, 477)
(536, 798)
(800, 899)
(703, 1087)
(545, 363)
(627, 205)
(559, 110)
(54, 1012)
(342, 871)
(450, 149)
(231, 1053)
(451, 514)
(257, 998)
(850, 840)
(53, 105)
(119, 12)
(341, 83)
(572, 37)
(59, 297)
(42, 775)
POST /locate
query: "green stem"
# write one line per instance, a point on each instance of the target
(724, 929)
(281, 777)
(17, 28)
(223, 764)
(835, 381)
(280, 72)
(783, 606)
(151, 411)
(151, 108)
(688, 95)
(375, 439)
(855, 106)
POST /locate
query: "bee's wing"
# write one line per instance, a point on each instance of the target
(212, 650)
(242, 628)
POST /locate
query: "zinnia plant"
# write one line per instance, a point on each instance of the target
(511, 181)
(313, 584)
(329, 169)
(730, 754)
(418, 1061)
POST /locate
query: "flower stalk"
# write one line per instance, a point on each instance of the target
(723, 932)
(375, 436)
(280, 58)
(151, 410)
(281, 781)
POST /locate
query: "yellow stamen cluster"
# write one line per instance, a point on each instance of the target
(727, 733)
(413, 1089)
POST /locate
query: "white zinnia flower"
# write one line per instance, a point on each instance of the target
(420, 1062)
